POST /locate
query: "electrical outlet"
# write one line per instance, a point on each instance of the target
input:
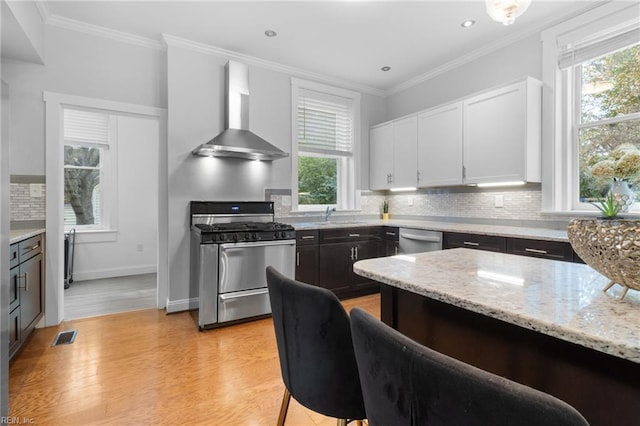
(140, 247)
(499, 200)
(35, 190)
(410, 201)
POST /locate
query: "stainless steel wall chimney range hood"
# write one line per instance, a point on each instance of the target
(236, 140)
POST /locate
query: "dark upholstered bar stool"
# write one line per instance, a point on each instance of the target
(316, 352)
(405, 383)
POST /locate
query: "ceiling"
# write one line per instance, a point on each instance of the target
(345, 40)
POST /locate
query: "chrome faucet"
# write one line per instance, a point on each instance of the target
(328, 212)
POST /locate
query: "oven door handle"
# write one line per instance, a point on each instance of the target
(224, 260)
(229, 297)
(227, 246)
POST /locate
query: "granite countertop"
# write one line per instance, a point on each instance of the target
(17, 235)
(496, 230)
(560, 299)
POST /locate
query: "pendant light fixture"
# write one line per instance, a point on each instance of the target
(506, 11)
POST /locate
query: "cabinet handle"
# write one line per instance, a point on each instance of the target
(530, 250)
(390, 177)
(469, 243)
(418, 176)
(356, 253)
(297, 258)
(25, 277)
(351, 257)
(308, 237)
(393, 234)
(354, 235)
(396, 248)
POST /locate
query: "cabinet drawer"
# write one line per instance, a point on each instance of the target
(14, 257)
(307, 236)
(472, 241)
(390, 233)
(349, 234)
(30, 247)
(555, 250)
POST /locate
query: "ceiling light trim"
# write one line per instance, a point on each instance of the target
(175, 41)
(96, 30)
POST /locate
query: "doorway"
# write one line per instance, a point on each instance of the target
(119, 239)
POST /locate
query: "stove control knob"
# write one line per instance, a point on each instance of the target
(222, 237)
(283, 234)
(235, 237)
(275, 235)
(247, 236)
(255, 236)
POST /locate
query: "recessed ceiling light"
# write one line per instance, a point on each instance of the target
(468, 23)
(270, 33)
(385, 68)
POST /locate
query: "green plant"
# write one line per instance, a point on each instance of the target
(608, 206)
(385, 206)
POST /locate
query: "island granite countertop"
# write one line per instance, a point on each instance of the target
(432, 225)
(560, 299)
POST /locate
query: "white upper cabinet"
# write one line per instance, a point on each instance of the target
(405, 152)
(393, 152)
(381, 156)
(440, 146)
(502, 134)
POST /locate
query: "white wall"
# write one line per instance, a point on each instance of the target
(514, 62)
(77, 64)
(135, 249)
(196, 114)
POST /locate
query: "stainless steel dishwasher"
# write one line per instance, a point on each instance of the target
(419, 240)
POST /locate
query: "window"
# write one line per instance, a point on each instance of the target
(593, 64)
(87, 171)
(325, 120)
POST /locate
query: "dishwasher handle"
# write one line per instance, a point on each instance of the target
(430, 239)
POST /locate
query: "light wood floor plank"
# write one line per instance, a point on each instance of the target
(146, 367)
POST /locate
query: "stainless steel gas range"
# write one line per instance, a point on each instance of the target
(232, 243)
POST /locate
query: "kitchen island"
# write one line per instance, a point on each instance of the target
(540, 322)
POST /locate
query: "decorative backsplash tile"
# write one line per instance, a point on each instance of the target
(27, 200)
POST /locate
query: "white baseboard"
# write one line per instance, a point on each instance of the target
(182, 305)
(114, 272)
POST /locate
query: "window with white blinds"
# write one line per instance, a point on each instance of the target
(87, 174)
(325, 121)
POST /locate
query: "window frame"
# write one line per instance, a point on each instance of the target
(347, 165)
(108, 174)
(560, 162)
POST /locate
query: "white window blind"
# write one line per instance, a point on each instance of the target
(84, 127)
(598, 45)
(325, 123)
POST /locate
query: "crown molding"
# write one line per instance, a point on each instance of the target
(43, 10)
(174, 41)
(490, 48)
(96, 30)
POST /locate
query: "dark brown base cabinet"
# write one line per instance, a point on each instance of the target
(26, 301)
(554, 250)
(325, 258)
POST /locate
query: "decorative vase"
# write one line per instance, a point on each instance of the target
(622, 194)
(611, 247)
(385, 216)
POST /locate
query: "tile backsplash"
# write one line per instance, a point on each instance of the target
(508, 204)
(27, 198)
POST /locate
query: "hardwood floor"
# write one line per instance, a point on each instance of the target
(149, 368)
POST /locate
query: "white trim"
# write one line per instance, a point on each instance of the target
(113, 272)
(206, 49)
(182, 305)
(54, 103)
(99, 31)
(558, 156)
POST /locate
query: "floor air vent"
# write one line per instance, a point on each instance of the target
(65, 338)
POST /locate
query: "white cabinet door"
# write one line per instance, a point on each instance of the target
(502, 134)
(381, 156)
(440, 146)
(405, 152)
